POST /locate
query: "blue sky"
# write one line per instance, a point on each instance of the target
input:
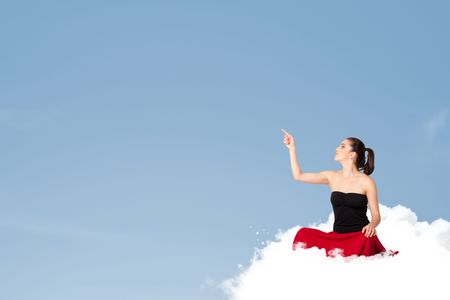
(141, 141)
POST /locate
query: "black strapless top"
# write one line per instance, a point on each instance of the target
(350, 211)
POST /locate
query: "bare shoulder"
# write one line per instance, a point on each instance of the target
(329, 173)
(369, 182)
(326, 171)
(367, 179)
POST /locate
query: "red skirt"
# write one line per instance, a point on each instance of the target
(349, 243)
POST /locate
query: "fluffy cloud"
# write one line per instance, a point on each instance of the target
(419, 271)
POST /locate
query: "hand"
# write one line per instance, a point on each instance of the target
(288, 140)
(369, 230)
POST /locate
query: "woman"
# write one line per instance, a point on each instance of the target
(351, 190)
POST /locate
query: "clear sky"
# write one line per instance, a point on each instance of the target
(141, 143)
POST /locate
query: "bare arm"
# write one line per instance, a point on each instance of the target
(299, 175)
(296, 170)
(372, 198)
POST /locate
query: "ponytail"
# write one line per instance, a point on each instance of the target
(361, 164)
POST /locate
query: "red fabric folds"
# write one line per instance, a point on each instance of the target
(345, 244)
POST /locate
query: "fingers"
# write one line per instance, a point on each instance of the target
(287, 137)
(286, 133)
(369, 231)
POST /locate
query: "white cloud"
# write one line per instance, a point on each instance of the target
(435, 124)
(208, 283)
(418, 271)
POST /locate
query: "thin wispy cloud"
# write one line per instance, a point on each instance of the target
(436, 124)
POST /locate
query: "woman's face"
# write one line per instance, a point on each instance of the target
(343, 151)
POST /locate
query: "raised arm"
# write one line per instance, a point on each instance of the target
(297, 173)
(318, 178)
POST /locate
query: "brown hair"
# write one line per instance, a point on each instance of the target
(361, 164)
